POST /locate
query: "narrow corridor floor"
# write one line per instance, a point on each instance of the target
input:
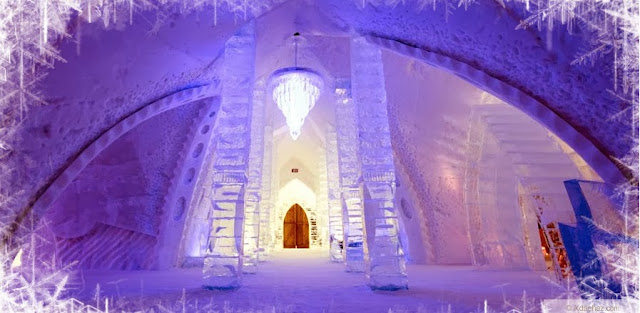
(303, 280)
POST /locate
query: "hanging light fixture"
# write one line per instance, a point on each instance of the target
(296, 91)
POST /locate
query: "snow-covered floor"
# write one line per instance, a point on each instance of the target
(305, 281)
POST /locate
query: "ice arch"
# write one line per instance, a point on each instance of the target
(295, 191)
(51, 191)
(516, 97)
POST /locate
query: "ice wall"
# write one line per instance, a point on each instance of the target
(115, 203)
(428, 133)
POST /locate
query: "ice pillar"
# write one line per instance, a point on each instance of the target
(349, 167)
(266, 203)
(254, 185)
(223, 256)
(322, 200)
(275, 188)
(385, 263)
(336, 236)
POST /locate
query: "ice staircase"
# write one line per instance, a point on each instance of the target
(541, 163)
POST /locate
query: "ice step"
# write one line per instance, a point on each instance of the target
(496, 109)
(539, 158)
(544, 184)
(542, 142)
(523, 127)
(498, 118)
(548, 170)
(527, 147)
(505, 133)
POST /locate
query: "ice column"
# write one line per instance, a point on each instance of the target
(333, 193)
(275, 188)
(322, 200)
(349, 166)
(223, 256)
(254, 185)
(266, 203)
(385, 263)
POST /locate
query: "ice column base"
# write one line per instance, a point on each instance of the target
(386, 275)
(355, 258)
(219, 274)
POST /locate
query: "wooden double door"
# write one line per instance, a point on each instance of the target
(296, 228)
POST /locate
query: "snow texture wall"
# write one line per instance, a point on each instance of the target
(114, 205)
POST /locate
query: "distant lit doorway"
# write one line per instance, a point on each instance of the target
(296, 228)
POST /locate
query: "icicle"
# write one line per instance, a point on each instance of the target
(45, 21)
(98, 295)
(17, 261)
(549, 41)
(615, 56)
(105, 15)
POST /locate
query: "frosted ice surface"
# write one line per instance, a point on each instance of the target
(385, 263)
(224, 255)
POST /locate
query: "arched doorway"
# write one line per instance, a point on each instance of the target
(296, 228)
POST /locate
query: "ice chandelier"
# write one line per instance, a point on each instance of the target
(296, 91)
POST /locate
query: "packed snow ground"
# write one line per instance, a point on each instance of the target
(305, 281)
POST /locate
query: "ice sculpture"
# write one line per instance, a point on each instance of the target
(265, 196)
(223, 256)
(253, 192)
(336, 236)
(385, 263)
(349, 166)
